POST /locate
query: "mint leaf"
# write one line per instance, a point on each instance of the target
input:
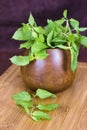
(40, 30)
(82, 29)
(49, 27)
(24, 33)
(65, 13)
(23, 96)
(23, 99)
(83, 40)
(31, 20)
(31, 57)
(20, 60)
(37, 47)
(49, 38)
(63, 47)
(41, 93)
(58, 40)
(25, 104)
(74, 23)
(35, 118)
(49, 21)
(48, 107)
(27, 32)
(58, 23)
(71, 38)
(74, 56)
(41, 55)
(41, 38)
(18, 35)
(39, 115)
(26, 45)
(34, 34)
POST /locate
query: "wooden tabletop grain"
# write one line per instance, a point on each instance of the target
(71, 115)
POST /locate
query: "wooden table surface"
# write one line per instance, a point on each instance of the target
(71, 115)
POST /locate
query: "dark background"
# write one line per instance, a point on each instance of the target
(14, 12)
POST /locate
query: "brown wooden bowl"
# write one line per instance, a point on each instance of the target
(53, 73)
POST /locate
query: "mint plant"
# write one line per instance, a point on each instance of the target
(33, 107)
(63, 33)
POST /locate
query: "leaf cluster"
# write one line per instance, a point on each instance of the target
(32, 107)
(63, 33)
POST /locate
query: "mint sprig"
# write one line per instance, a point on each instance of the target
(39, 115)
(47, 107)
(63, 33)
(31, 105)
(43, 94)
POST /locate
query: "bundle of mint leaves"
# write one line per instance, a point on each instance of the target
(63, 33)
(32, 107)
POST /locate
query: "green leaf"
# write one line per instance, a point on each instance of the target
(31, 57)
(20, 60)
(67, 27)
(26, 45)
(83, 40)
(49, 38)
(18, 35)
(23, 99)
(76, 47)
(41, 55)
(74, 59)
(41, 93)
(25, 104)
(39, 115)
(48, 107)
(31, 20)
(58, 23)
(49, 21)
(65, 13)
(71, 38)
(74, 23)
(37, 47)
(59, 40)
(40, 30)
(23, 96)
(24, 33)
(27, 32)
(82, 29)
(49, 27)
(41, 38)
(63, 47)
(34, 34)
(35, 118)
(76, 38)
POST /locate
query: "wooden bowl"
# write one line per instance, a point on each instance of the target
(53, 73)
